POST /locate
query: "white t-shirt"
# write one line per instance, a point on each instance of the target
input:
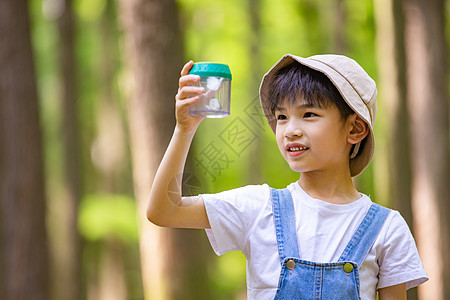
(242, 219)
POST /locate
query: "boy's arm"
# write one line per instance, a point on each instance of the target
(395, 292)
(166, 206)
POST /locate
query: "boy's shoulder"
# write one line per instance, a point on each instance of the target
(396, 225)
(239, 194)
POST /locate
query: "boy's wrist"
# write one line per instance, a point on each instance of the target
(185, 132)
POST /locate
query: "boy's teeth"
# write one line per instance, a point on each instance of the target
(297, 148)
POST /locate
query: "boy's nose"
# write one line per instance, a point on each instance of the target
(292, 131)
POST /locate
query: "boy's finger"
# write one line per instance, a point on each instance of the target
(187, 101)
(187, 67)
(188, 91)
(188, 79)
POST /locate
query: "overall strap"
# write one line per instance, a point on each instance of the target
(284, 218)
(366, 234)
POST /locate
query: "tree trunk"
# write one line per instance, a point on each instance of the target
(112, 283)
(392, 102)
(428, 107)
(340, 40)
(24, 257)
(67, 259)
(254, 109)
(394, 175)
(154, 56)
(110, 278)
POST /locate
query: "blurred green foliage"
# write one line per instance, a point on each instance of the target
(89, 10)
(108, 216)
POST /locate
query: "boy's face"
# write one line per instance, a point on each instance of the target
(313, 139)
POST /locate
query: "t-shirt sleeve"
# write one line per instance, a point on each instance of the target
(232, 214)
(400, 261)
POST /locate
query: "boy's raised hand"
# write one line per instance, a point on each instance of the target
(166, 206)
(186, 96)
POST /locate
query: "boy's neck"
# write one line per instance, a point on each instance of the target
(329, 187)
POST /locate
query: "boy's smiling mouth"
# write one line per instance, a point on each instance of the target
(295, 149)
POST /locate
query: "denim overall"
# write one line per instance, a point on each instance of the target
(300, 279)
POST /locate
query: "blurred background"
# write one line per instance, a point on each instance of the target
(87, 109)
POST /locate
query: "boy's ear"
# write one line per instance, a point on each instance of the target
(358, 129)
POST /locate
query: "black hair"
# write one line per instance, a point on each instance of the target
(313, 86)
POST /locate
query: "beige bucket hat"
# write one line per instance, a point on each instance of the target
(356, 87)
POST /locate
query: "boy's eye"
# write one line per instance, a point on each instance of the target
(309, 115)
(281, 117)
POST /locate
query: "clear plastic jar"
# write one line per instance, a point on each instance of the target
(215, 78)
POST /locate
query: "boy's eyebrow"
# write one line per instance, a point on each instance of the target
(309, 105)
(301, 106)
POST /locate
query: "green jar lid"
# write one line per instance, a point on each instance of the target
(211, 69)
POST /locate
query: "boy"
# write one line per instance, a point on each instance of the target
(319, 238)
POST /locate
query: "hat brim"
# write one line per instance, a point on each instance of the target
(345, 88)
